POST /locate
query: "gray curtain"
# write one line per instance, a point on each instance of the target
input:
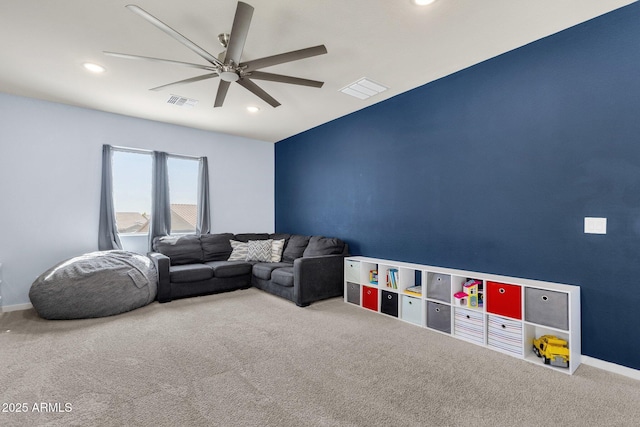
(160, 204)
(107, 229)
(204, 216)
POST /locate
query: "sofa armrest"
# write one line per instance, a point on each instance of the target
(316, 278)
(162, 263)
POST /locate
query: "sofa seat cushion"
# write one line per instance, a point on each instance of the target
(189, 273)
(263, 270)
(230, 268)
(282, 276)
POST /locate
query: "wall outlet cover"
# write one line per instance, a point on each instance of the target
(594, 225)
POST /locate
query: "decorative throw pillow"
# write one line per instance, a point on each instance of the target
(239, 251)
(259, 250)
(276, 250)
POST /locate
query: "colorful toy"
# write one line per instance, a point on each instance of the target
(460, 299)
(373, 277)
(471, 294)
(471, 288)
(553, 350)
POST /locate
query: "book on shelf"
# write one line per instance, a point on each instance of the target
(414, 291)
(392, 278)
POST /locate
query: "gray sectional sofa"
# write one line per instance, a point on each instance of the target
(308, 268)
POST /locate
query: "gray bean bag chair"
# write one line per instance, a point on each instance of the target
(96, 284)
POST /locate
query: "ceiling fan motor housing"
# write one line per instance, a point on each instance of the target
(228, 75)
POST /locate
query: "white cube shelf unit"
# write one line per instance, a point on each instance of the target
(502, 313)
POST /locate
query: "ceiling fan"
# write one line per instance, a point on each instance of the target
(228, 65)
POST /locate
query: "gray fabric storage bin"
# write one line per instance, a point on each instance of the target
(439, 287)
(353, 293)
(439, 317)
(544, 307)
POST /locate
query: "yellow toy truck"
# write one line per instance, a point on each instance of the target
(553, 350)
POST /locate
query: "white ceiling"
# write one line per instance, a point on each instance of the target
(44, 43)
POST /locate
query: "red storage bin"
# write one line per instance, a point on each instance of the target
(370, 298)
(503, 299)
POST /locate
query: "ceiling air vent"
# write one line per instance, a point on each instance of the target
(181, 101)
(363, 88)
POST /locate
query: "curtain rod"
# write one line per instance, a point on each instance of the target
(143, 151)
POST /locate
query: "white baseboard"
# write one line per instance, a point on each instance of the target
(611, 367)
(16, 307)
(590, 361)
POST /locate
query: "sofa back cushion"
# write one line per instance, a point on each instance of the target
(216, 247)
(295, 247)
(180, 249)
(251, 236)
(319, 245)
(280, 236)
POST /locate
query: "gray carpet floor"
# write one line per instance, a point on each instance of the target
(247, 358)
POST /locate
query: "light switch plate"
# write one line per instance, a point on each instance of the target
(595, 225)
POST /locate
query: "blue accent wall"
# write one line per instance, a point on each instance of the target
(493, 169)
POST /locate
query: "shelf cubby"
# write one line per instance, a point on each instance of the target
(471, 296)
(366, 269)
(532, 332)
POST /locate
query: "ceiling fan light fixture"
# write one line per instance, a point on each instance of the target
(229, 76)
(94, 68)
(253, 109)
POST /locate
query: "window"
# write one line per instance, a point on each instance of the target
(183, 194)
(132, 191)
(132, 172)
(138, 188)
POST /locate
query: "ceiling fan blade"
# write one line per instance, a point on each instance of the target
(239, 31)
(257, 91)
(284, 57)
(190, 80)
(166, 61)
(260, 75)
(173, 33)
(222, 93)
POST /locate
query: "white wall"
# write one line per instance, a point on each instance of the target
(50, 166)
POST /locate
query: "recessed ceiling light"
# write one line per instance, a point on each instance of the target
(94, 68)
(423, 2)
(253, 109)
